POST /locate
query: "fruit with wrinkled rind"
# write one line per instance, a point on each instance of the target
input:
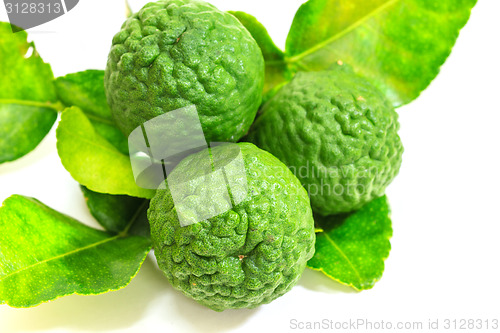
(175, 53)
(246, 256)
(337, 133)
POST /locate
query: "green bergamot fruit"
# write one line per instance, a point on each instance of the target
(337, 133)
(175, 53)
(252, 252)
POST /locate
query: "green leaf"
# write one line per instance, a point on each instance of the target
(27, 97)
(22, 128)
(277, 71)
(352, 247)
(114, 212)
(86, 90)
(398, 44)
(92, 160)
(45, 255)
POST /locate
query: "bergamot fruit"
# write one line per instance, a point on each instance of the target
(256, 243)
(337, 133)
(175, 53)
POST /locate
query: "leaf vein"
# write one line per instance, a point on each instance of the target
(54, 106)
(343, 32)
(330, 240)
(60, 256)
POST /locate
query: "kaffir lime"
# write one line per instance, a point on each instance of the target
(337, 133)
(175, 53)
(252, 252)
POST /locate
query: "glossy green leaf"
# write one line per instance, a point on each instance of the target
(276, 69)
(45, 255)
(352, 247)
(92, 160)
(114, 212)
(86, 90)
(398, 44)
(28, 107)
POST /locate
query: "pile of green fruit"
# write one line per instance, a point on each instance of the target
(337, 125)
(315, 143)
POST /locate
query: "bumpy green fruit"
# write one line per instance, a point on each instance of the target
(337, 133)
(175, 53)
(252, 252)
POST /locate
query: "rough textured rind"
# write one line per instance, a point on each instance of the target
(176, 53)
(247, 256)
(337, 133)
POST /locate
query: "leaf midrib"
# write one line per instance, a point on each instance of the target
(49, 105)
(343, 255)
(60, 256)
(341, 33)
(56, 107)
(100, 119)
(122, 234)
(137, 213)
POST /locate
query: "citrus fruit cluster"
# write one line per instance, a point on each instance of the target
(232, 226)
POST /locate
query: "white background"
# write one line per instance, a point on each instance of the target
(445, 202)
